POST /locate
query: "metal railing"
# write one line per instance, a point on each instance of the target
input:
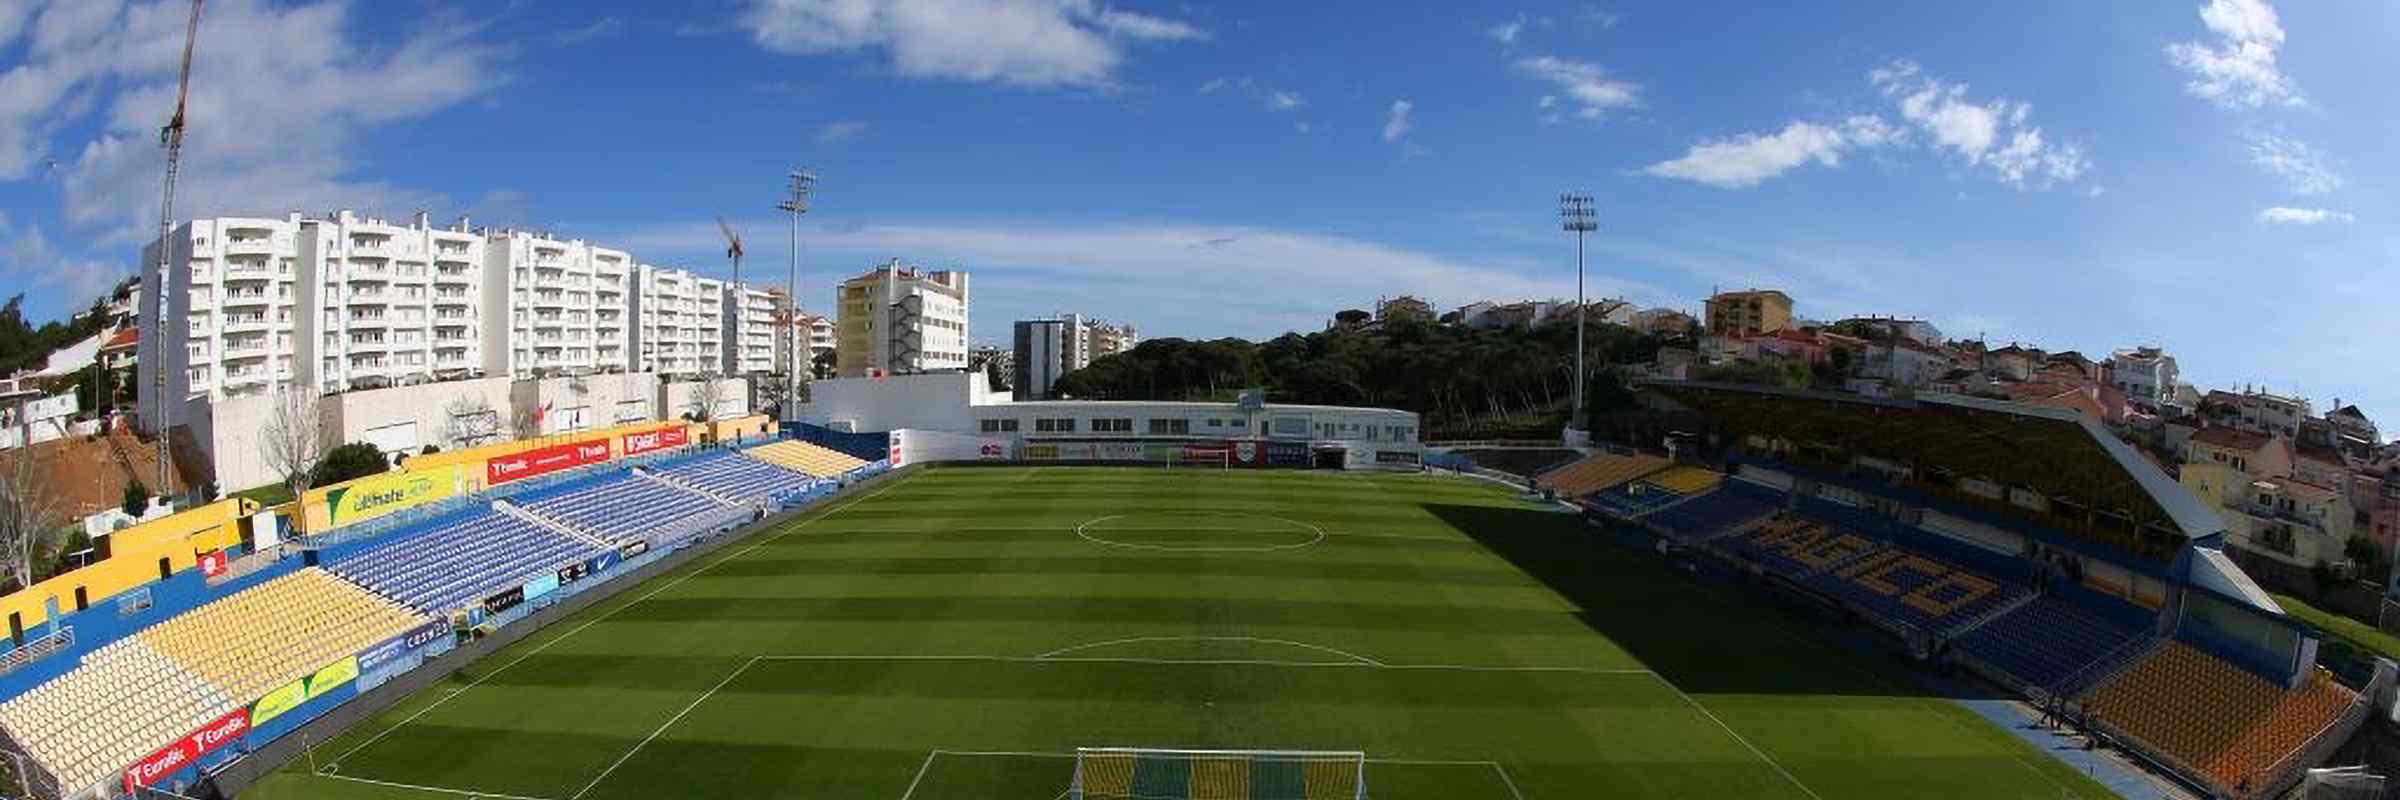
(2287, 771)
(37, 648)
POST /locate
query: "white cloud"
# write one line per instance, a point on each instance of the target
(1284, 100)
(839, 131)
(1743, 161)
(2238, 71)
(2294, 161)
(274, 107)
(1268, 97)
(1587, 84)
(1506, 32)
(601, 28)
(1169, 277)
(1397, 122)
(2286, 215)
(1029, 43)
(28, 260)
(1213, 84)
(1993, 134)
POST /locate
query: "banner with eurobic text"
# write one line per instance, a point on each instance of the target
(543, 461)
(207, 739)
(389, 650)
(368, 498)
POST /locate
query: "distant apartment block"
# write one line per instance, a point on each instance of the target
(748, 316)
(677, 326)
(897, 320)
(2146, 374)
(1748, 313)
(566, 306)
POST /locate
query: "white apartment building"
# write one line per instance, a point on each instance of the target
(566, 302)
(386, 304)
(233, 312)
(749, 319)
(2146, 375)
(678, 329)
(896, 319)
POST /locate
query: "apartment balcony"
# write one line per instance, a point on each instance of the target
(248, 271)
(233, 299)
(369, 346)
(247, 377)
(369, 322)
(372, 248)
(246, 349)
(238, 245)
(239, 324)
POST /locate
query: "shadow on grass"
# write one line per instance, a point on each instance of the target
(1705, 636)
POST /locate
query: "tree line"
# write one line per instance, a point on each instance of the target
(1451, 375)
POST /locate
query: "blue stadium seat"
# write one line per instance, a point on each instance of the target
(2046, 641)
(631, 506)
(732, 475)
(1733, 503)
(459, 559)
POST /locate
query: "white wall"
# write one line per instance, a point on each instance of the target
(676, 398)
(380, 415)
(934, 401)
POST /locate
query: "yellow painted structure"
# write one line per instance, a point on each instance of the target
(136, 555)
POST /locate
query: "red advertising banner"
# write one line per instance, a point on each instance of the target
(188, 749)
(531, 463)
(212, 563)
(638, 443)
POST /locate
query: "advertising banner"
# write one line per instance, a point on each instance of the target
(543, 461)
(1247, 454)
(368, 498)
(634, 548)
(504, 600)
(534, 589)
(1040, 451)
(895, 438)
(1396, 457)
(283, 698)
(1287, 454)
(388, 650)
(1117, 451)
(993, 451)
(209, 738)
(602, 561)
(332, 677)
(636, 444)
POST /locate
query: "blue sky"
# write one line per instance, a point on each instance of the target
(2210, 176)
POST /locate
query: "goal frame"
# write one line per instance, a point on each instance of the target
(1358, 790)
(1207, 457)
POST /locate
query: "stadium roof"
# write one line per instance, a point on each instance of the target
(2060, 453)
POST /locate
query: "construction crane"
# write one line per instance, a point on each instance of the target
(741, 303)
(170, 137)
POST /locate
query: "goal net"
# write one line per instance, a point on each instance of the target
(1200, 457)
(1133, 773)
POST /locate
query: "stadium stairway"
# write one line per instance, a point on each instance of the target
(465, 558)
(512, 509)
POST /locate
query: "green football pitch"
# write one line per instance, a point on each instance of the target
(958, 633)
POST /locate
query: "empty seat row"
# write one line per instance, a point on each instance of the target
(124, 701)
(2229, 724)
(1903, 585)
(1735, 504)
(629, 507)
(271, 634)
(1596, 472)
(461, 560)
(731, 475)
(2047, 641)
(822, 462)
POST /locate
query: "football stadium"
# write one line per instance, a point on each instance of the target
(1795, 595)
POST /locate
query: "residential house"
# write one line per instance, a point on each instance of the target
(1748, 313)
(2268, 511)
(2146, 374)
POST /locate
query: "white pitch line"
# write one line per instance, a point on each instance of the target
(1245, 639)
(1737, 736)
(921, 768)
(1249, 662)
(1512, 784)
(454, 693)
(469, 793)
(663, 726)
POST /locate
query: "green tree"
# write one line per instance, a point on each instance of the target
(135, 499)
(348, 462)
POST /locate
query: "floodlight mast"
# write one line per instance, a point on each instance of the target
(1575, 215)
(803, 183)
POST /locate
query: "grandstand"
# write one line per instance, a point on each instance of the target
(630, 506)
(2216, 719)
(734, 477)
(120, 704)
(811, 459)
(460, 559)
(1974, 528)
(1596, 472)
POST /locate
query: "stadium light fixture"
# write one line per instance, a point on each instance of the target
(1575, 215)
(803, 183)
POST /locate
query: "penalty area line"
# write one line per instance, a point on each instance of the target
(468, 793)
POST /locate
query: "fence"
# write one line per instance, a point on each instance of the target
(2288, 771)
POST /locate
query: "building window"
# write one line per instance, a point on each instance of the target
(1170, 426)
(999, 426)
(1112, 425)
(1054, 425)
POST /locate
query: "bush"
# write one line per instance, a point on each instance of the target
(136, 500)
(348, 462)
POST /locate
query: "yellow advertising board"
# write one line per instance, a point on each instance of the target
(371, 497)
(332, 676)
(284, 698)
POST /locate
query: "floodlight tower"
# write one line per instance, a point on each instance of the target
(803, 182)
(1575, 215)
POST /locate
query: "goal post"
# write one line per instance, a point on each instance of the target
(1200, 457)
(1143, 773)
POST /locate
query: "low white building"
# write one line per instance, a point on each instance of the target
(1076, 430)
(2146, 375)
